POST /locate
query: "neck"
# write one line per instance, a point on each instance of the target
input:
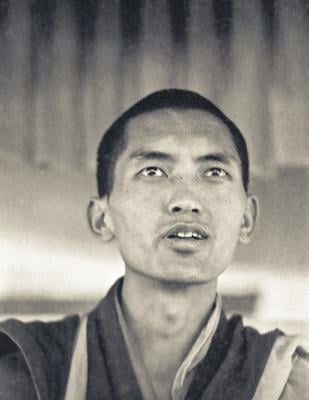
(162, 310)
(164, 320)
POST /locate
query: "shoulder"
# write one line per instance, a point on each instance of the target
(286, 373)
(251, 343)
(46, 341)
(15, 379)
(35, 356)
(297, 384)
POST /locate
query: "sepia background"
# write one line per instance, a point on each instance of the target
(69, 67)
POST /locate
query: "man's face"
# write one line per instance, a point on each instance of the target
(178, 202)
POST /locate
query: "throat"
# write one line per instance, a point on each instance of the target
(163, 321)
(163, 310)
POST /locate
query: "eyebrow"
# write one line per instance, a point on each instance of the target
(151, 155)
(225, 158)
(222, 157)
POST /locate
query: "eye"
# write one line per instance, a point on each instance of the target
(153, 171)
(216, 172)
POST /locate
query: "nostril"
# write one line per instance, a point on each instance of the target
(178, 209)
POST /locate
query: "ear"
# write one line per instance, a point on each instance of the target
(249, 219)
(99, 220)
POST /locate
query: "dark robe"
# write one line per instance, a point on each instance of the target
(231, 369)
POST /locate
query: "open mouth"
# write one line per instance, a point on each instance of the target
(185, 235)
(187, 232)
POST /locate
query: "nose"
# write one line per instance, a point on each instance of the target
(184, 203)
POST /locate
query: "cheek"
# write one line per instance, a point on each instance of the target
(229, 214)
(133, 215)
(125, 222)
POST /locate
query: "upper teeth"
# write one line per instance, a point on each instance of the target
(194, 235)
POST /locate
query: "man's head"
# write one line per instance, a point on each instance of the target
(115, 139)
(173, 178)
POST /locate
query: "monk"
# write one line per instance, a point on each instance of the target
(173, 191)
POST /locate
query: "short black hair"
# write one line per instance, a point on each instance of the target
(114, 140)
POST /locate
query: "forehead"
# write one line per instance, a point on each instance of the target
(178, 130)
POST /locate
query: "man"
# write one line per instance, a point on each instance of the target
(173, 176)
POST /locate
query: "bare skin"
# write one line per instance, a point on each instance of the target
(164, 319)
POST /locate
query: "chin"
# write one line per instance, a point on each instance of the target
(184, 277)
(186, 273)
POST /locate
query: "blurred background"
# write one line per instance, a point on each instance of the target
(69, 67)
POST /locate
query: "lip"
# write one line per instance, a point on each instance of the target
(186, 246)
(186, 228)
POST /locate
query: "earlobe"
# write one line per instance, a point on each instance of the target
(249, 219)
(98, 219)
